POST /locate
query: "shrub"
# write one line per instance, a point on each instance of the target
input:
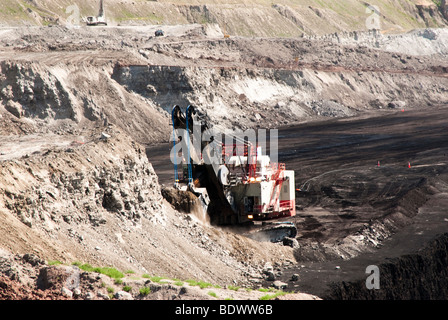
(144, 291)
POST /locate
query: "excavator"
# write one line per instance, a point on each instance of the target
(234, 182)
(98, 20)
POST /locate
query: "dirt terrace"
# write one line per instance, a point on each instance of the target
(68, 192)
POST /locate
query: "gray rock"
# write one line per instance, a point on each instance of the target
(76, 293)
(104, 136)
(291, 242)
(89, 296)
(14, 108)
(103, 296)
(123, 295)
(66, 293)
(396, 104)
(112, 201)
(270, 276)
(279, 285)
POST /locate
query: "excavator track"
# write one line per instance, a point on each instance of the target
(273, 232)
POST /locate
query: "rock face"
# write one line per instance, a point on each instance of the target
(61, 98)
(286, 18)
(100, 202)
(256, 87)
(38, 93)
(91, 190)
(417, 276)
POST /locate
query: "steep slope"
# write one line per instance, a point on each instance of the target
(61, 98)
(99, 202)
(284, 18)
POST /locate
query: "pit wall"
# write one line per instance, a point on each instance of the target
(422, 275)
(267, 97)
(60, 99)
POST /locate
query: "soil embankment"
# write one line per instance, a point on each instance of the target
(80, 106)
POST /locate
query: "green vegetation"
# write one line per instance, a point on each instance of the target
(346, 15)
(212, 294)
(200, 284)
(155, 279)
(145, 291)
(127, 288)
(54, 263)
(108, 271)
(230, 287)
(273, 296)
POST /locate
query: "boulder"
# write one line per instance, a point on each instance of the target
(291, 242)
(279, 285)
(14, 108)
(123, 295)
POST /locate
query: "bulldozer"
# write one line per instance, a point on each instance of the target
(234, 182)
(100, 19)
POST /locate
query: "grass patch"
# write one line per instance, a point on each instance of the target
(178, 283)
(155, 279)
(212, 294)
(273, 296)
(235, 288)
(144, 291)
(127, 288)
(108, 271)
(54, 263)
(200, 284)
